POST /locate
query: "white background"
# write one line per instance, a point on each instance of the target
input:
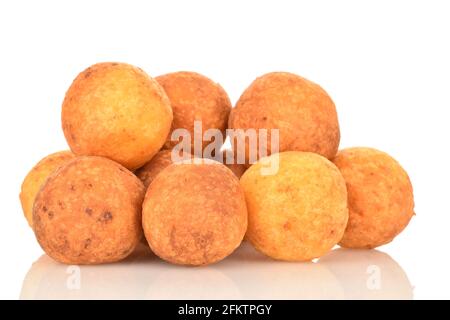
(384, 63)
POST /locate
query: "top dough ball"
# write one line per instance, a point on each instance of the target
(117, 111)
(380, 197)
(37, 177)
(302, 111)
(195, 97)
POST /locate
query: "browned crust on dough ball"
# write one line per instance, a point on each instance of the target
(37, 177)
(195, 97)
(302, 111)
(89, 212)
(115, 110)
(194, 214)
(380, 197)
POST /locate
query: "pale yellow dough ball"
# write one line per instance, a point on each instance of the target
(299, 212)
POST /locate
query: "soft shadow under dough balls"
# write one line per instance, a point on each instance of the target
(36, 178)
(298, 212)
(194, 214)
(117, 111)
(195, 97)
(380, 197)
(89, 212)
(302, 111)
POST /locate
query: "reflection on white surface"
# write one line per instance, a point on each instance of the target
(246, 274)
(368, 274)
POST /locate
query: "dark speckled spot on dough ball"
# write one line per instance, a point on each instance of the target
(37, 177)
(89, 212)
(194, 214)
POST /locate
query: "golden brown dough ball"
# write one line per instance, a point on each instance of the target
(161, 160)
(194, 214)
(302, 111)
(195, 97)
(117, 111)
(36, 178)
(89, 212)
(298, 212)
(380, 197)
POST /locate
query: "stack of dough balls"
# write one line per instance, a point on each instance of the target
(126, 179)
(301, 211)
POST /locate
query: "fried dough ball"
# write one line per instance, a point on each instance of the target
(161, 160)
(36, 178)
(298, 212)
(195, 97)
(194, 214)
(89, 212)
(380, 197)
(117, 111)
(302, 111)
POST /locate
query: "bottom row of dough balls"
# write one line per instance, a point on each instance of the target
(90, 210)
(362, 200)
